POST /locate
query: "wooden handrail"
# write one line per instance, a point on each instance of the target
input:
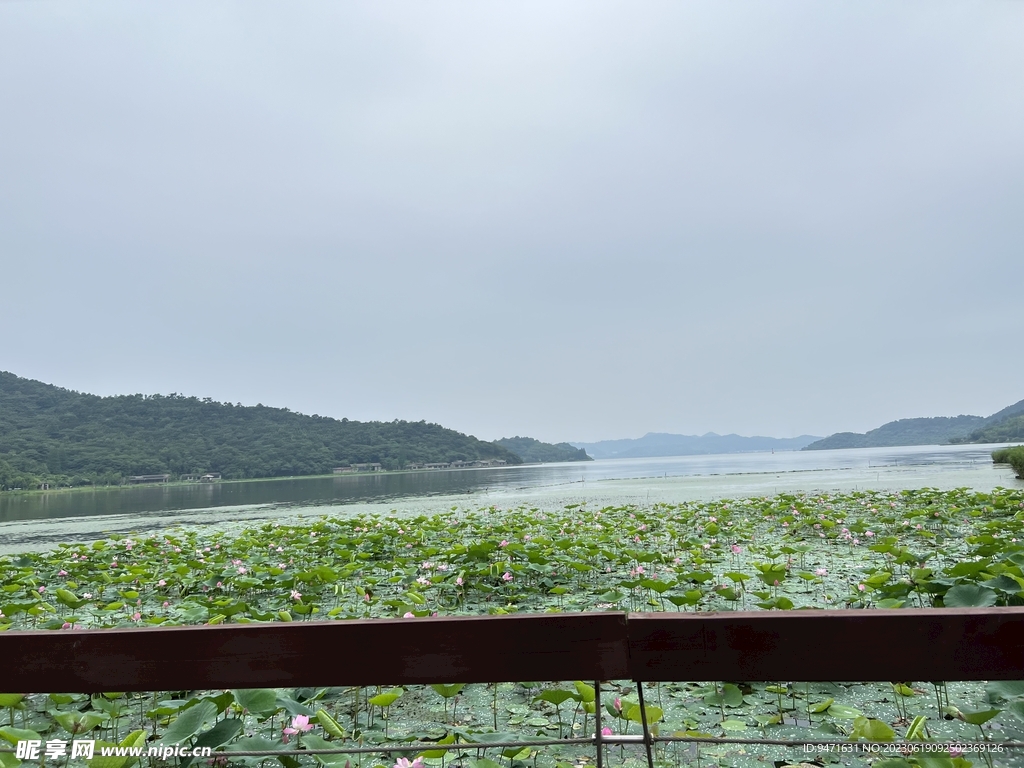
(928, 644)
(464, 649)
(851, 645)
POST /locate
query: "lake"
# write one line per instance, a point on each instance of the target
(37, 520)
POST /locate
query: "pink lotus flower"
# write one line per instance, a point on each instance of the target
(606, 731)
(241, 569)
(404, 762)
(503, 543)
(821, 572)
(300, 724)
(860, 587)
(458, 580)
(409, 615)
(161, 583)
(296, 595)
(617, 704)
(736, 549)
(41, 590)
(506, 576)
(62, 572)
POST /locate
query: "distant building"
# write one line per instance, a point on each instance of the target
(210, 477)
(457, 464)
(141, 479)
(190, 478)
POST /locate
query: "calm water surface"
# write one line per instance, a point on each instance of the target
(31, 521)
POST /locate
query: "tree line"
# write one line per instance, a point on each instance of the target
(54, 435)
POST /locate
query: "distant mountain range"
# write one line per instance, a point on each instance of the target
(1003, 426)
(663, 444)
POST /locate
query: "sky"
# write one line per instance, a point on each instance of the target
(579, 220)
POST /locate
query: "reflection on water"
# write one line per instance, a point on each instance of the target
(30, 519)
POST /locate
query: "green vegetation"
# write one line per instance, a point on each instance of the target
(532, 450)
(936, 431)
(1003, 426)
(1005, 431)
(1012, 456)
(855, 550)
(491, 560)
(49, 434)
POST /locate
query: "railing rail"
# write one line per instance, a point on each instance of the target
(863, 645)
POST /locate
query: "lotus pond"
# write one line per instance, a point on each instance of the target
(851, 550)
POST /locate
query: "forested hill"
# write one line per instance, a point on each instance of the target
(534, 450)
(933, 431)
(64, 437)
(1003, 426)
(1006, 426)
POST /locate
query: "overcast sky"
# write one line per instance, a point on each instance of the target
(569, 220)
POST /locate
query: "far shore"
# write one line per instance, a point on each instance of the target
(194, 484)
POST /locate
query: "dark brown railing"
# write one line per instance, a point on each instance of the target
(862, 645)
(797, 646)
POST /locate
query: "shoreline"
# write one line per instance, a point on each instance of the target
(244, 480)
(394, 472)
(36, 534)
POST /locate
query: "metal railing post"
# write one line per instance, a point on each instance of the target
(643, 721)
